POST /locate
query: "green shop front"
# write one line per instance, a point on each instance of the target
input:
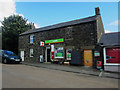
(55, 51)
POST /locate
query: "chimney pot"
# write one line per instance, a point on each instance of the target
(97, 11)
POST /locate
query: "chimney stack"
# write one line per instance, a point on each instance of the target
(97, 11)
(32, 26)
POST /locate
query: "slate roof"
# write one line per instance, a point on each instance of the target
(110, 39)
(69, 23)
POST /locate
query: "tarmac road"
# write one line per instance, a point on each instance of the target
(23, 76)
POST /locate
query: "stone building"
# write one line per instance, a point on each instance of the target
(73, 41)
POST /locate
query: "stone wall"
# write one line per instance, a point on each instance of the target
(77, 37)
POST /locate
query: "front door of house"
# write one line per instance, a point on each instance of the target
(22, 55)
(88, 60)
(48, 55)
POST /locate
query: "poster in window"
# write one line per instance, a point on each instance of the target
(69, 51)
(59, 52)
(112, 55)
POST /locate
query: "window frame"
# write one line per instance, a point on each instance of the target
(31, 38)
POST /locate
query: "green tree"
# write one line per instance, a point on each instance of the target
(11, 28)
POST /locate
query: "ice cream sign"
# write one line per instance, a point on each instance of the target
(54, 41)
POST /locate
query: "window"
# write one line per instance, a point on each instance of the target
(31, 38)
(31, 52)
(59, 52)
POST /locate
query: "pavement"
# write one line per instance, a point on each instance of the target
(75, 69)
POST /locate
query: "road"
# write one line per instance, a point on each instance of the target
(23, 76)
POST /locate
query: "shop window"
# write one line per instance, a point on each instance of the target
(31, 38)
(59, 52)
(68, 54)
(31, 52)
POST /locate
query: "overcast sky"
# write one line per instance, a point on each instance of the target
(48, 13)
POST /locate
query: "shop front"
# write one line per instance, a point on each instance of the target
(54, 50)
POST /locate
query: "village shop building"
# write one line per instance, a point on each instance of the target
(74, 41)
(111, 49)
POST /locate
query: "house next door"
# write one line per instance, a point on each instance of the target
(88, 60)
(22, 55)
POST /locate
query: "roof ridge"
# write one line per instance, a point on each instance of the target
(63, 24)
(69, 21)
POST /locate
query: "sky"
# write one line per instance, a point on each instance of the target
(49, 13)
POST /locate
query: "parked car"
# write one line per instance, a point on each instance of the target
(9, 56)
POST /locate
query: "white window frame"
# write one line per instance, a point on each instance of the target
(32, 38)
(31, 52)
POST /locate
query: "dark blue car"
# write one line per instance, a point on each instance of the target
(9, 56)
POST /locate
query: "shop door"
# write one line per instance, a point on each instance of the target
(88, 58)
(48, 55)
(22, 55)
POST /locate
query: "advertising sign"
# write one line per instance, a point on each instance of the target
(69, 51)
(112, 55)
(41, 58)
(59, 52)
(52, 51)
(54, 41)
(42, 44)
(96, 54)
(99, 64)
(52, 48)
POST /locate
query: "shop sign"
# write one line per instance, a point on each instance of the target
(54, 41)
(96, 54)
(42, 44)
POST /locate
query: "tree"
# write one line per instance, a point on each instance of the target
(11, 28)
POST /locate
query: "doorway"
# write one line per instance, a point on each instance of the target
(88, 60)
(48, 54)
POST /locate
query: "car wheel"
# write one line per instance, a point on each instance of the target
(5, 61)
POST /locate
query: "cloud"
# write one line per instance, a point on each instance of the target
(107, 31)
(114, 23)
(7, 8)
